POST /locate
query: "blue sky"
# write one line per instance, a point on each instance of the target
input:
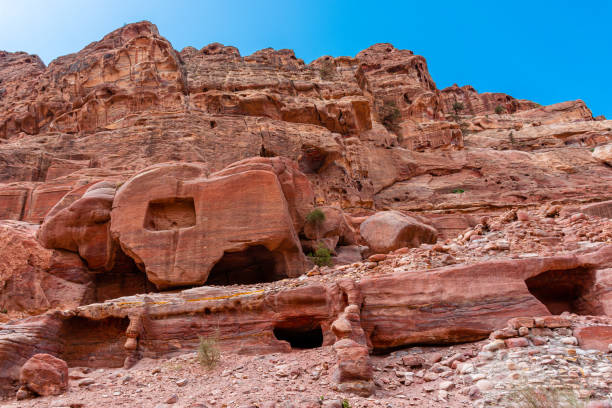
(545, 51)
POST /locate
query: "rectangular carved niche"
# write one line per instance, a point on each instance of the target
(170, 214)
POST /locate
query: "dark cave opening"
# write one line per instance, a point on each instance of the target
(563, 290)
(311, 160)
(255, 264)
(300, 337)
(125, 279)
(94, 343)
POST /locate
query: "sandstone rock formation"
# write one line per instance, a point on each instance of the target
(83, 227)
(177, 224)
(149, 197)
(386, 231)
(34, 279)
(45, 375)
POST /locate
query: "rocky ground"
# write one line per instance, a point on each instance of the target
(484, 374)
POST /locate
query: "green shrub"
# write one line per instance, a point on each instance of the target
(345, 404)
(321, 256)
(499, 109)
(3, 311)
(208, 352)
(458, 191)
(316, 216)
(390, 116)
(457, 107)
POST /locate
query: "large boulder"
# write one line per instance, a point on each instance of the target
(386, 231)
(45, 375)
(83, 227)
(177, 224)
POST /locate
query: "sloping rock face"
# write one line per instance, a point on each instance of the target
(34, 279)
(177, 224)
(370, 132)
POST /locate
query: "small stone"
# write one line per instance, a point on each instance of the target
(484, 385)
(494, 345)
(570, 341)
(486, 355)
(538, 341)
(85, 382)
(517, 342)
(446, 385)
(430, 376)
(519, 322)
(413, 361)
(465, 368)
(523, 331)
(183, 382)
(22, 394)
(172, 399)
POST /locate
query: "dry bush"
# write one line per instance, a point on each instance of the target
(209, 354)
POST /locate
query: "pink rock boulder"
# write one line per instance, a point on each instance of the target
(45, 375)
(389, 230)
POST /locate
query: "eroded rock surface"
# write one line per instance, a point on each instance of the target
(173, 190)
(177, 224)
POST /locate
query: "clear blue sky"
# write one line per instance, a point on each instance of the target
(545, 51)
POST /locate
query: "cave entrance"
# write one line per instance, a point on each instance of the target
(300, 337)
(125, 279)
(255, 264)
(94, 343)
(563, 290)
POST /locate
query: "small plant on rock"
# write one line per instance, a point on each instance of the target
(3, 311)
(321, 256)
(327, 70)
(511, 138)
(499, 109)
(316, 216)
(208, 352)
(390, 116)
(457, 107)
(345, 404)
(458, 191)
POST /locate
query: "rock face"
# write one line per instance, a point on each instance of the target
(474, 103)
(150, 196)
(604, 153)
(83, 227)
(177, 224)
(45, 375)
(389, 230)
(370, 132)
(34, 279)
